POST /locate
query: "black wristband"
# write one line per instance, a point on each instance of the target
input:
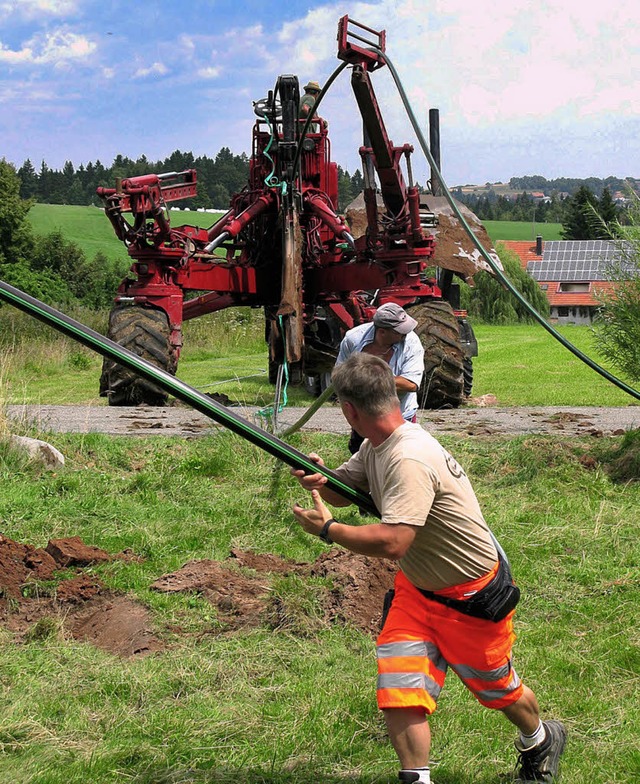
(324, 531)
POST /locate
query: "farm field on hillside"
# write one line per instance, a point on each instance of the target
(90, 228)
(519, 230)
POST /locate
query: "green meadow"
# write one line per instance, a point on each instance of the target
(522, 365)
(520, 230)
(91, 230)
(291, 698)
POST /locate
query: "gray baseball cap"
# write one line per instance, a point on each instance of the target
(392, 316)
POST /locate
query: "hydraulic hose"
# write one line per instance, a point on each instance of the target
(319, 401)
(496, 270)
(201, 402)
(309, 120)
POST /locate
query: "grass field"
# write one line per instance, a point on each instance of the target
(525, 365)
(291, 700)
(225, 352)
(514, 230)
(89, 227)
(91, 230)
(294, 702)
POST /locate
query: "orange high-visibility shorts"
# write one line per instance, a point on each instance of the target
(421, 639)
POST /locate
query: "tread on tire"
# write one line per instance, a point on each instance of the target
(145, 332)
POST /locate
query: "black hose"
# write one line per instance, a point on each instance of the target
(496, 270)
(201, 402)
(309, 120)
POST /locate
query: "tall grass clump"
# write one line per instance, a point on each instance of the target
(226, 331)
(617, 328)
(622, 462)
(46, 367)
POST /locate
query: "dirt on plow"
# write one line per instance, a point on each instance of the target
(54, 591)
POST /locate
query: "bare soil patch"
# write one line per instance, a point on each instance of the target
(46, 591)
(240, 587)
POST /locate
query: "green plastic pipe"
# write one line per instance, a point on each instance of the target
(194, 398)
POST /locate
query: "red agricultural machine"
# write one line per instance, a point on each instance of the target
(283, 247)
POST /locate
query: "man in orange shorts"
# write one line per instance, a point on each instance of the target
(454, 598)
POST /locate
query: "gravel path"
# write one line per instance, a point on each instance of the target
(179, 420)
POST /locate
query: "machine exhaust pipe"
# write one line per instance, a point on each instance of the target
(434, 146)
(192, 397)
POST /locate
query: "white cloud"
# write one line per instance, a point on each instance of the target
(209, 73)
(157, 69)
(188, 43)
(24, 55)
(29, 97)
(499, 64)
(505, 74)
(57, 49)
(34, 9)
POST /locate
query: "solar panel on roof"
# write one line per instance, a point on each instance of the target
(574, 260)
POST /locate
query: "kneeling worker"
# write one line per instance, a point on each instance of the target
(389, 336)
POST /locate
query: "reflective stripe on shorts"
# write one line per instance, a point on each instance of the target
(421, 638)
(410, 674)
(490, 686)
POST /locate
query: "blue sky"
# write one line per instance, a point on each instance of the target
(544, 87)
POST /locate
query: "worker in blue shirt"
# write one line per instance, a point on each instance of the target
(389, 336)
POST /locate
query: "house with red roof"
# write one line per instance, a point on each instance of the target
(571, 273)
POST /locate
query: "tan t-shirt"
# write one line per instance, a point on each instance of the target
(413, 479)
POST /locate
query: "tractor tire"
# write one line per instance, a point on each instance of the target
(145, 332)
(443, 381)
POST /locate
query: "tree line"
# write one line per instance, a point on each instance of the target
(583, 215)
(218, 179)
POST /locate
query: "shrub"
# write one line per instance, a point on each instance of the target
(491, 302)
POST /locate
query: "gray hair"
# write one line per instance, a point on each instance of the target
(367, 382)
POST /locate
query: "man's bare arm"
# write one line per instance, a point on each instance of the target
(376, 539)
(404, 385)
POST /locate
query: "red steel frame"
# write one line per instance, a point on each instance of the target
(336, 273)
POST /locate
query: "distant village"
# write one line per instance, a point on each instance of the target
(543, 195)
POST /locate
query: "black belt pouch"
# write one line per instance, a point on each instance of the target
(493, 603)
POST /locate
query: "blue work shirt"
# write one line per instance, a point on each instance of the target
(407, 360)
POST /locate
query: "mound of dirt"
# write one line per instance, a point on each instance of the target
(240, 588)
(35, 596)
(454, 248)
(359, 586)
(38, 598)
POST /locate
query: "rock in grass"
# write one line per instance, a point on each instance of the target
(41, 451)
